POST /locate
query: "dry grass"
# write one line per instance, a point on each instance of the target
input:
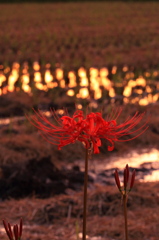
(77, 34)
(54, 219)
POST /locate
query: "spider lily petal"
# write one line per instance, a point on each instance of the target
(14, 234)
(132, 179)
(8, 229)
(126, 176)
(116, 175)
(15, 230)
(89, 130)
(126, 188)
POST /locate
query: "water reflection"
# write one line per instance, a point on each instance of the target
(154, 176)
(146, 163)
(135, 159)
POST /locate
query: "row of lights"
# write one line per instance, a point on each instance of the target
(97, 79)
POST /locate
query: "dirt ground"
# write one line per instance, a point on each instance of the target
(60, 217)
(36, 184)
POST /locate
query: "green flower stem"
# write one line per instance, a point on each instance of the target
(125, 215)
(85, 195)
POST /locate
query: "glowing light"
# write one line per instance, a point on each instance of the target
(82, 72)
(155, 97)
(132, 83)
(103, 72)
(135, 100)
(94, 72)
(37, 77)
(127, 91)
(126, 100)
(83, 93)
(11, 81)
(93, 105)
(84, 82)
(114, 69)
(147, 74)
(155, 73)
(2, 79)
(83, 77)
(13, 77)
(25, 79)
(129, 75)
(72, 79)
(26, 88)
(48, 80)
(47, 113)
(79, 106)
(59, 73)
(36, 66)
(60, 111)
(143, 101)
(6, 70)
(112, 93)
(39, 86)
(106, 83)
(138, 91)
(148, 89)
(98, 80)
(48, 77)
(141, 81)
(125, 68)
(59, 77)
(70, 92)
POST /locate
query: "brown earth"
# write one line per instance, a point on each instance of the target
(51, 206)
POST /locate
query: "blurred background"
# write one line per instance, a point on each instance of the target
(96, 55)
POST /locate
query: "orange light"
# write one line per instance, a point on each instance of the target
(36, 66)
(83, 93)
(48, 77)
(103, 72)
(72, 79)
(82, 72)
(26, 88)
(114, 69)
(127, 91)
(2, 79)
(132, 83)
(125, 68)
(70, 92)
(79, 106)
(143, 101)
(112, 92)
(141, 81)
(37, 77)
(59, 73)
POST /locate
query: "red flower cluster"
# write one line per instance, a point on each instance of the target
(89, 129)
(14, 234)
(128, 183)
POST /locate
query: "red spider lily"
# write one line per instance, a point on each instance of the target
(116, 175)
(88, 130)
(14, 234)
(126, 176)
(128, 183)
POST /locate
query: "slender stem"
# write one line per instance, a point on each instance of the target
(85, 195)
(125, 215)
